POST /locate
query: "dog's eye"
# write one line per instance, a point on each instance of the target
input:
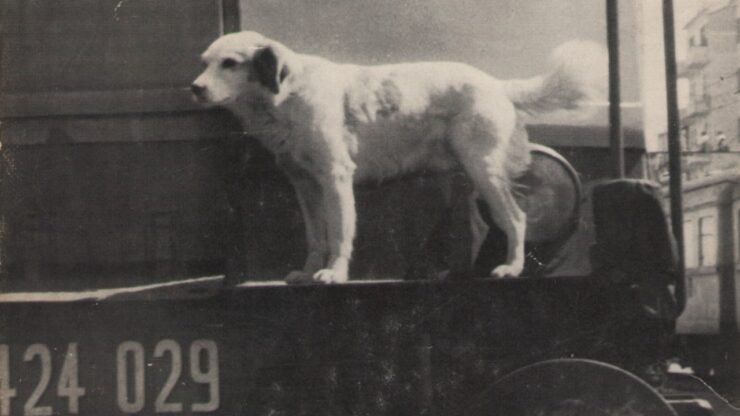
(228, 63)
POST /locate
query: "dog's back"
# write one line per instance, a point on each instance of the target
(398, 117)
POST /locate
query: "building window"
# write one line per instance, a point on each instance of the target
(703, 35)
(690, 251)
(707, 241)
(737, 30)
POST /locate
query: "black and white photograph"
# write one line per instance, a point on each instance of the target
(370, 207)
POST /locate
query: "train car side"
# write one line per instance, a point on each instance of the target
(709, 326)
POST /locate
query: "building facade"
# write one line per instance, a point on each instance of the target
(711, 120)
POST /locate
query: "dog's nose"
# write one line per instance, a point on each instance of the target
(197, 89)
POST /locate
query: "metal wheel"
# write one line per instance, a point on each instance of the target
(550, 193)
(571, 387)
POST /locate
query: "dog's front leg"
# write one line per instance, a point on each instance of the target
(339, 216)
(308, 194)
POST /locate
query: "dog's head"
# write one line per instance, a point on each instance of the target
(241, 65)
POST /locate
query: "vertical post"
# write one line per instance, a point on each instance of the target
(674, 144)
(234, 149)
(615, 117)
(230, 19)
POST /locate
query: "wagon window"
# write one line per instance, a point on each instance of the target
(691, 252)
(707, 241)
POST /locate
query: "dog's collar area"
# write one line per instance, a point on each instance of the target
(273, 133)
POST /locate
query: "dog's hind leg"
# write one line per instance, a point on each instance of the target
(485, 165)
(507, 215)
(513, 221)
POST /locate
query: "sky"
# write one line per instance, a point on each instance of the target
(507, 38)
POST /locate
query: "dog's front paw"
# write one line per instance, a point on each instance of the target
(329, 276)
(507, 270)
(297, 277)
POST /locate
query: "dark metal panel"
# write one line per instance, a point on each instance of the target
(312, 350)
(87, 103)
(71, 50)
(120, 128)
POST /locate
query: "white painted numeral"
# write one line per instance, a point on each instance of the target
(204, 369)
(69, 382)
(6, 393)
(41, 351)
(136, 351)
(173, 348)
(208, 376)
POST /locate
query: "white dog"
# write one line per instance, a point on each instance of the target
(332, 125)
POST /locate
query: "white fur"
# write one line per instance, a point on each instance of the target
(332, 125)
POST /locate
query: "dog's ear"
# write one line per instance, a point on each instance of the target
(269, 69)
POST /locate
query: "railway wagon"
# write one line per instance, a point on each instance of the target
(126, 209)
(709, 326)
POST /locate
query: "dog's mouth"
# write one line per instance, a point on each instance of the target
(208, 102)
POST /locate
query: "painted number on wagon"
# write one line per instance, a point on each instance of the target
(38, 358)
(131, 367)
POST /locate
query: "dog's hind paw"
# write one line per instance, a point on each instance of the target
(506, 270)
(329, 276)
(299, 277)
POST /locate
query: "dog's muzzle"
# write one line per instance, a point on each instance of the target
(198, 91)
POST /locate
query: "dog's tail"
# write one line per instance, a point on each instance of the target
(578, 75)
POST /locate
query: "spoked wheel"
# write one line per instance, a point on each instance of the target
(571, 387)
